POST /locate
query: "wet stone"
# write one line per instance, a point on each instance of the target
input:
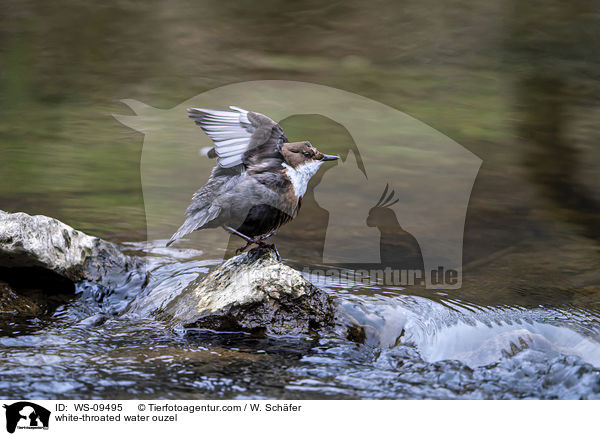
(252, 292)
(15, 304)
(45, 243)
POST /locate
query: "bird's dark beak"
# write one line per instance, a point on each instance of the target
(329, 157)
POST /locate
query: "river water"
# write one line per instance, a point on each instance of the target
(516, 85)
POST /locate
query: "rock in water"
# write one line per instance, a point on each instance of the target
(42, 242)
(252, 292)
(12, 303)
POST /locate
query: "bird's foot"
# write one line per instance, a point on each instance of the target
(258, 241)
(261, 244)
(272, 247)
(248, 243)
(267, 245)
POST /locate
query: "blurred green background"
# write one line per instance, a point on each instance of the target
(516, 83)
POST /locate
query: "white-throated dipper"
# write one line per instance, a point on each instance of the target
(259, 180)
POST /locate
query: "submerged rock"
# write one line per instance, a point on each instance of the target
(15, 304)
(42, 242)
(252, 292)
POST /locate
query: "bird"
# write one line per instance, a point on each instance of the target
(259, 178)
(397, 247)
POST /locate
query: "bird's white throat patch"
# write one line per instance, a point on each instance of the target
(300, 176)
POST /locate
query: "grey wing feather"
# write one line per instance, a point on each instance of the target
(236, 133)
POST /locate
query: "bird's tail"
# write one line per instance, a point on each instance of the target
(195, 221)
(208, 152)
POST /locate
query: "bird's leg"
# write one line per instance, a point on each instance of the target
(258, 241)
(241, 235)
(271, 246)
(248, 239)
(268, 235)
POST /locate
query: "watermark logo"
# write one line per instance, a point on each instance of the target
(25, 415)
(396, 201)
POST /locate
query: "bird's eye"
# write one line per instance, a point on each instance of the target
(307, 154)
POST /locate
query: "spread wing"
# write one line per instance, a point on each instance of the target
(240, 137)
(239, 134)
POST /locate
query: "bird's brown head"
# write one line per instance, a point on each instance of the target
(297, 154)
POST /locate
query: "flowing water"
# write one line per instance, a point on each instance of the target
(515, 84)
